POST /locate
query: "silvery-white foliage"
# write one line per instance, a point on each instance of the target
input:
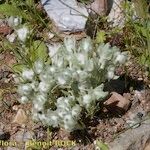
(73, 82)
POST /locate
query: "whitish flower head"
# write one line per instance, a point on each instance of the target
(38, 66)
(86, 44)
(51, 69)
(44, 87)
(59, 100)
(24, 99)
(110, 73)
(42, 117)
(68, 119)
(61, 80)
(121, 58)
(63, 103)
(53, 119)
(69, 122)
(62, 112)
(75, 75)
(25, 89)
(35, 116)
(38, 102)
(40, 99)
(60, 63)
(28, 74)
(53, 49)
(46, 77)
(87, 99)
(82, 75)
(22, 33)
(65, 77)
(35, 85)
(14, 21)
(67, 72)
(105, 54)
(76, 110)
(83, 86)
(67, 100)
(69, 127)
(89, 66)
(99, 93)
(70, 44)
(37, 106)
(82, 58)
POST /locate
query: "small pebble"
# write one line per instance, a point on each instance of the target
(20, 117)
(15, 107)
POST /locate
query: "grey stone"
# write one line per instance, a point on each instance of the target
(99, 7)
(21, 138)
(66, 14)
(24, 136)
(116, 15)
(133, 139)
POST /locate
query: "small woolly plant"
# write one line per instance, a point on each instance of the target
(72, 85)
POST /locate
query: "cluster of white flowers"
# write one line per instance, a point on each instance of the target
(73, 82)
(21, 31)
